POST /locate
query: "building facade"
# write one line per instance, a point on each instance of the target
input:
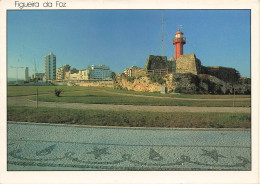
(38, 76)
(93, 72)
(78, 75)
(26, 75)
(100, 72)
(131, 71)
(83, 74)
(50, 67)
(61, 72)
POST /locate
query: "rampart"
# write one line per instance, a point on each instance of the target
(188, 63)
(159, 65)
(230, 75)
(156, 62)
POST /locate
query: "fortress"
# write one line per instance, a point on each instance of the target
(184, 73)
(187, 63)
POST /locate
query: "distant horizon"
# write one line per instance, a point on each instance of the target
(13, 79)
(124, 38)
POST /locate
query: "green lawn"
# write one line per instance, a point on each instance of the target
(129, 119)
(31, 90)
(199, 96)
(99, 95)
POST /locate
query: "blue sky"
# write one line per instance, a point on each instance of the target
(122, 38)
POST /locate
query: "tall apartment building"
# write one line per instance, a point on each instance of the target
(26, 75)
(50, 67)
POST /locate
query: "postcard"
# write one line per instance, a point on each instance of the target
(129, 92)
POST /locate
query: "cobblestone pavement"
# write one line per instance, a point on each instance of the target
(60, 147)
(23, 101)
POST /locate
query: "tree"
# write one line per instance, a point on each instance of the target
(113, 75)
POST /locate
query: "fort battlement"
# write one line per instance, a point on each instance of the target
(188, 63)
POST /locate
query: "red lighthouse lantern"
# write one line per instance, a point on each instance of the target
(178, 41)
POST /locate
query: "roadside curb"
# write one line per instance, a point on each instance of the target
(134, 128)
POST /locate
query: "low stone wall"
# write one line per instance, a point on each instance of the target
(109, 84)
(56, 83)
(137, 84)
(86, 83)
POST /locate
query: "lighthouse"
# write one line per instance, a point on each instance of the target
(178, 41)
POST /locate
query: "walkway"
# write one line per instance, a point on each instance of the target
(58, 147)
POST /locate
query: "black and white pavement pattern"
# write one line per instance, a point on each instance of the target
(61, 147)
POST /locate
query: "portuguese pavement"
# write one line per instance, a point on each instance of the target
(62, 147)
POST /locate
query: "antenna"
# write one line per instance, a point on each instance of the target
(180, 26)
(16, 67)
(35, 70)
(162, 34)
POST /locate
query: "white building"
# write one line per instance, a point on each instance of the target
(26, 75)
(61, 72)
(83, 74)
(38, 76)
(93, 72)
(50, 67)
(79, 76)
(131, 71)
(101, 72)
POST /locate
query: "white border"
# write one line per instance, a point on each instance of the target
(236, 177)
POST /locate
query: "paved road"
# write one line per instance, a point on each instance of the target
(58, 147)
(24, 101)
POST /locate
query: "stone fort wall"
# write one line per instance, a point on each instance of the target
(188, 63)
(156, 62)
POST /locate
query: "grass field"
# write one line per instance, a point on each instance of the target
(197, 96)
(129, 119)
(99, 95)
(31, 90)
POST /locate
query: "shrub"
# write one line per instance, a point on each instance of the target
(130, 79)
(186, 83)
(58, 92)
(157, 79)
(139, 77)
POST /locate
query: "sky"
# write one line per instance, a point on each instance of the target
(123, 38)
